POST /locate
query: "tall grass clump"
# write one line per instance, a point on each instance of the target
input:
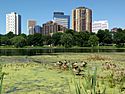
(89, 84)
(1, 78)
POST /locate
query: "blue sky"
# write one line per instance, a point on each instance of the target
(42, 10)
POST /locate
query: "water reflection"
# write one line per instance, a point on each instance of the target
(30, 52)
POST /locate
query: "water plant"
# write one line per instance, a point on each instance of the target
(89, 84)
(1, 78)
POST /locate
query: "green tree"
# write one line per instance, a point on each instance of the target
(35, 40)
(69, 31)
(78, 41)
(105, 37)
(4, 40)
(81, 38)
(67, 40)
(108, 37)
(10, 35)
(119, 38)
(18, 41)
(23, 35)
(93, 40)
(47, 39)
(56, 37)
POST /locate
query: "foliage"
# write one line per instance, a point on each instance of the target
(10, 35)
(4, 40)
(23, 35)
(81, 38)
(1, 78)
(70, 38)
(119, 38)
(18, 41)
(56, 37)
(67, 40)
(104, 36)
(89, 84)
(93, 40)
(69, 31)
(35, 40)
(47, 40)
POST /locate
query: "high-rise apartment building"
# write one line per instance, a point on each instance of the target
(30, 26)
(100, 25)
(52, 27)
(82, 19)
(13, 23)
(62, 19)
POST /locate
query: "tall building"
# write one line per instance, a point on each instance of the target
(13, 23)
(30, 26)
(62, 19)
(100, 25)
(38, 29)
(82, 19)
(52, 27)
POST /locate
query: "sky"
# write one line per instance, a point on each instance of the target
(42, 10)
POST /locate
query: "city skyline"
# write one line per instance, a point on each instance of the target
(102, 10)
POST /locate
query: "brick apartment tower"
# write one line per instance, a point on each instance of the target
(82, 19)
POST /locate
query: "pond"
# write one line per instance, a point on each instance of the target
(31, 52)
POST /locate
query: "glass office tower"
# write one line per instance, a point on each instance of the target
(62, 19)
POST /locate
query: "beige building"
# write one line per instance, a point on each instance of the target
(82, 19)
(30, 26)
(51, 27)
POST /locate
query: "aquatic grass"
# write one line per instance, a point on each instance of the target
(98, 57)
(1, 78)
(88, 85)
(49, 76)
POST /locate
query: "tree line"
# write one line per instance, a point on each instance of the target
(67, 39)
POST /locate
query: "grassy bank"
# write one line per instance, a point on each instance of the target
(25, 75)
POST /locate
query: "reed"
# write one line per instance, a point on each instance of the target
(88, 84)
(1, 78)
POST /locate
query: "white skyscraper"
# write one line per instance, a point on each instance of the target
(100, 25)
(13, 23)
